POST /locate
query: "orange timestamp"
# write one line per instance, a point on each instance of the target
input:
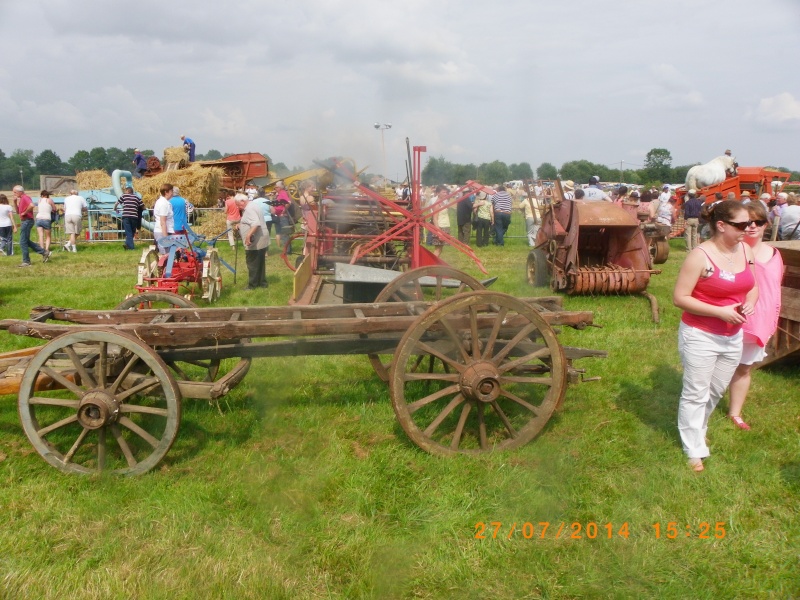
(591, 530)
(545, 530)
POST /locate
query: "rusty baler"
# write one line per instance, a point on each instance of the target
(590, 247)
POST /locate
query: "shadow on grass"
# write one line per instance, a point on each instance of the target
(790, 475)
(655, 405)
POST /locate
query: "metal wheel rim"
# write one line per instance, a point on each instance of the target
(146, 422)
(436, 412)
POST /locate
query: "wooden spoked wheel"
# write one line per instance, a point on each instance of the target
(500, 375)
(430, 284)
(118, 411)
(197, 370)
(148, 266)
(212, 276)
(659, 250)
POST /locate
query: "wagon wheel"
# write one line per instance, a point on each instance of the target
(659, 251)
(148, 266)
(408, 287)
(537, 268)
(506, 376)
(294, 191)
(119, 410)
(199, 370)
(212, 279)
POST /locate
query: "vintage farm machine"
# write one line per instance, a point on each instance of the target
(591, 247)
(362, 228)
(475, 372)
(185, 269)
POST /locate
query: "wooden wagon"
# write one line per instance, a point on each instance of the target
(786, 341)
(469, 373)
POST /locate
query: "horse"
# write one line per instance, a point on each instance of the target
(711, 173)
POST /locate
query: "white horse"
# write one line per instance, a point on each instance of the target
(711, 173)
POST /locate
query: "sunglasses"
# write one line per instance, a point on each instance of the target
(742, 225)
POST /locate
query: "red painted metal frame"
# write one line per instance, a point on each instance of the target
(413, 221)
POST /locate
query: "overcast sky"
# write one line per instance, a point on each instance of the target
(474, 81)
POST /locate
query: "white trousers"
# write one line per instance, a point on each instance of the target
(709, 362)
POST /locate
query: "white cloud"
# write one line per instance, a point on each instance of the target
(782, 110)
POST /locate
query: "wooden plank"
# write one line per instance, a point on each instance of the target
(163, 318)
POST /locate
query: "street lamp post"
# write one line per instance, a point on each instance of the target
(383, 127)
(21, 178)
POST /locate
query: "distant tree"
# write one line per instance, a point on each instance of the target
(118, 159)
(437, 170)
(580, 171)
(80, 161)
(210, 155)
(280, 169)
(658, 165)
(98, 158)
(18, 169)
(546, 171)
(679, 173)
(49, 163)
(494, 172)
(522, 170)
(464, 173)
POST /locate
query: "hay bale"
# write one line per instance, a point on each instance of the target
(176, 155)
(199, 185)
(93, 180)
(212, 224)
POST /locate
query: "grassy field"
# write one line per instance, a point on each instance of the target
(302, 484)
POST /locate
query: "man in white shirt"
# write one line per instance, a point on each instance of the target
(593, 192)
(164, 220)
(74, 207)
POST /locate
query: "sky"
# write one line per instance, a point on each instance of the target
(474, 81)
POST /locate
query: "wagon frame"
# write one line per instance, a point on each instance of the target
(475, 372)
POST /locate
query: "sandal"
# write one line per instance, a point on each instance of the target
(696, 464)
(737, 420)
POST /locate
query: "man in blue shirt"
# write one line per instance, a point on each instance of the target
(139, 164)
(178, 210)
(188, 144)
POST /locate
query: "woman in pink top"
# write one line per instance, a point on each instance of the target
(762, 324)
(717, 291)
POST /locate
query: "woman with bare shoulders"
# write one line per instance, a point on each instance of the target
(716, 288)
(762, 324)
(44, 219)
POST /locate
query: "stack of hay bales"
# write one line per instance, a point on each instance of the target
(176, 155)
(93, 180)
(199, 185)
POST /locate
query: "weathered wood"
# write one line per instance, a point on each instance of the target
(192, 333)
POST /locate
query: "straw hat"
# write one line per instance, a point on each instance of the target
(568, 185)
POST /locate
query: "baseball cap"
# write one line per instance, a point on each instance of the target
(692, 192)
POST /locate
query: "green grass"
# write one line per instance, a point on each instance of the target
(305, 486)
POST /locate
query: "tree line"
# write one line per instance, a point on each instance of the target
(23, 167)
(657, 169)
